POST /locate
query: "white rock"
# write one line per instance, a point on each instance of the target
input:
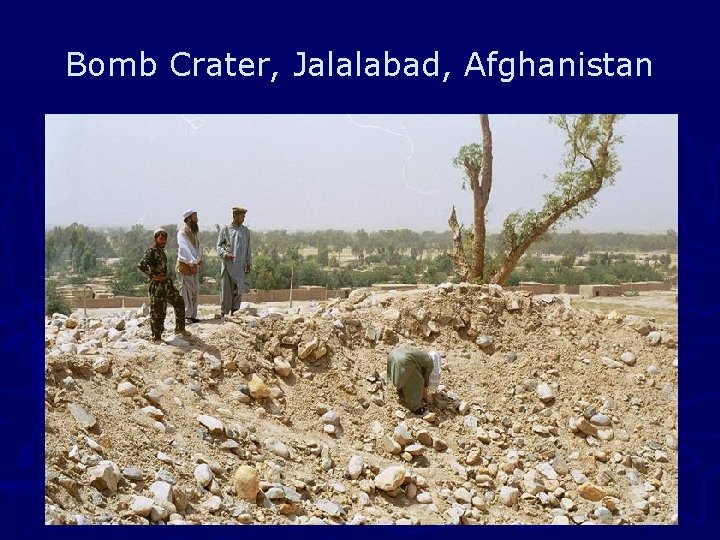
(212, 505)
(153, 411)
(609, 362)
(462, 495)
(277, 447)
(509, 495)
(127, 389)
(628, 358)
(545, 392)
(162, 491)
(424, 498)
(213, 425)
(330, 417)
(547, 471)
(162, 456)
(203, 475)
(390, 478)
(141, 506)
(105, 476)
(355, 466)
(282, 367)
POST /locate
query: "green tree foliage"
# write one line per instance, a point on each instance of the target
(386, 256)
(55, 302)
(589, 164)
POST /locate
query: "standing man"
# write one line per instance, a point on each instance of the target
(233, 247)
(188, 264)
(162, 290)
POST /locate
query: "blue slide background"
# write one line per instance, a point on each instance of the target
(679, 38)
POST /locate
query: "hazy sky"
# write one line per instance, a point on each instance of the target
(309, 172)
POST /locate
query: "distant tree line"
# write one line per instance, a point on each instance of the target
(76, 253)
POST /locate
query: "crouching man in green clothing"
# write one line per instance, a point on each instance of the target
(413, 372)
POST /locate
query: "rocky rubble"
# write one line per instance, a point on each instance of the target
(545, 415)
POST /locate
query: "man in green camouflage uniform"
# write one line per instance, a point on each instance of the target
(162, 290)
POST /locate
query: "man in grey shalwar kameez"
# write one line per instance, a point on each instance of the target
(233, 247)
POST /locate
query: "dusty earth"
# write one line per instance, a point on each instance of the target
(545, 414)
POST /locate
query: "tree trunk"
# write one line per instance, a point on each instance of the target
(513, 257)
(458, 253)
(481, 196)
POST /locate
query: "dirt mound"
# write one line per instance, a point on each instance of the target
(545, 414)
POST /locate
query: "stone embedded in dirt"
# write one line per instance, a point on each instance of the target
(282, 367)
(307, 347)
(423, 437)
(545, 393)
(277, 447)
(320, 351)
(424, 498)
(560, 520)
(141, 506)
(390, 478)
(84, 418)
(213, 425)
(203, 475)
(462, 495)
(578, 476)
(586, 427)
(509, 495)
(247, 482)
(329, 508)
(127, 389)
(162, 491)
(402, 434)
(391, 315)
(105, 476)
(212, 505)
(609, 362)
(257, 387)
(628, 358)
(546, 469)
(212, 362)
(153, 412)
(591, 492)
(415, 449)
(330, 417)
(355, 467)
(439, 444)
(600, 419)
(473, 457)
(389, 445)
(484, 342)
(132, 473)
(654, 338)
(101, 365)
(326, 461)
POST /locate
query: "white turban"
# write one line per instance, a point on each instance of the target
(188, 213)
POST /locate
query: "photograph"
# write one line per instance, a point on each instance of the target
(367, 319)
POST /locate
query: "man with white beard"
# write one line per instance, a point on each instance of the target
(188, 264)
